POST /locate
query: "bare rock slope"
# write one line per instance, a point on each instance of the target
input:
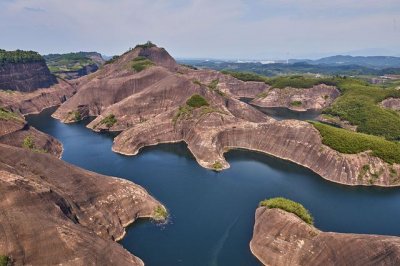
(315, 98)
(282, 238)
(151, 106)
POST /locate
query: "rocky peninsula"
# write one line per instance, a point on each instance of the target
(283, 238)
(145, 95)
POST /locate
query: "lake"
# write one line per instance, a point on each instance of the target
(212, 214)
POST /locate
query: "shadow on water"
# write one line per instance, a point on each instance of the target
(212, 214)
(283, 113)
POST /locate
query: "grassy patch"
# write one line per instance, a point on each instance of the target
(296, 103)
(160, 213)
(197, 101)
(8, 115)
(4, 260)
(76, 115)
(213, 84)
(182, 113)
(197, 82)
(140, 63)
(246, 76)
(289, 206)
(350, 142)
(28, 143)
(109, 120)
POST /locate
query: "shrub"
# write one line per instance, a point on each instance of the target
(160, 213)
(213, 84)
(296, 103)
(76, 115)
(197, 101)
(109, 120)
(28, 143)
(141, 63)
(217, 165)
(4, 260)
(148, 44)
(350, 142)
(289, 206)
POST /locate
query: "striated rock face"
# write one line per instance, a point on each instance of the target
(315, 98)
(282, 238)
(36, 101)
(392, 103)
(25, 77)
(53, 213)
(149, 107)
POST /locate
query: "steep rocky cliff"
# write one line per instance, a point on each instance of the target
(25, 77)
(53, 213)
(36, 101)
(151, 106)
(282, 238)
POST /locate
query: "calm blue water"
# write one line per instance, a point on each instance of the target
(212, 214)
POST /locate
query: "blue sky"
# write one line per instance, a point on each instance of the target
(253, 29)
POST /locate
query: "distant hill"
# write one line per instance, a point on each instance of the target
(74, 65)
(365, 61)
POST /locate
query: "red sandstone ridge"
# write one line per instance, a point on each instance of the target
(150, 107)
(53, 213)
(282, 238)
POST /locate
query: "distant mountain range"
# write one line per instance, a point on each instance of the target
(366, 61)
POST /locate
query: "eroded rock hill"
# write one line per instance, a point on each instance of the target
(53, 213)
(25, 77)
(151, 106)
(38, 100)
(282, 238)
(315, 98)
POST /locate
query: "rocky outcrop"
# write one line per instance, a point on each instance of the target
(53, 213)
(282, 238)
(16, 132)
(150, 107)
(25, 77)
(391, 103)
(36, 101)
(315, 98)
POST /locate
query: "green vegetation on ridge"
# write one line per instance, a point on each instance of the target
(19, 56)
(358, 104)
(8, 115)
(140, 63)
(289, 206)
(71, 61)
(350, 142)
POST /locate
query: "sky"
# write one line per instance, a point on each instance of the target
(225, 29)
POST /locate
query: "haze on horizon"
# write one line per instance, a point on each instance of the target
(228, 29)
